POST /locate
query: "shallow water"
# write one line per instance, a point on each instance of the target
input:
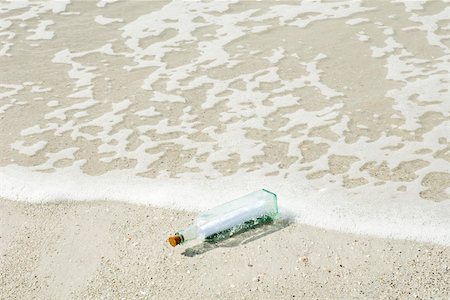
(342, 108)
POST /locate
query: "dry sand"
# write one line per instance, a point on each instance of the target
(105, 250)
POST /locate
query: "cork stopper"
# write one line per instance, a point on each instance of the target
(174, 240)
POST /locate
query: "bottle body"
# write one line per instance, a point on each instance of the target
(253, 206)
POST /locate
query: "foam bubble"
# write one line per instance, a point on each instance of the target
(29, 150)
(41, 32)
(104, 20)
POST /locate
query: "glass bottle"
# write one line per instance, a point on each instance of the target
(230, 217)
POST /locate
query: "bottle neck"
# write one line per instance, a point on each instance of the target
(190, 233)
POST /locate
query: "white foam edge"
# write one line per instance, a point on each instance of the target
(367, 213)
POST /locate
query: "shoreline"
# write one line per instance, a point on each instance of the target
(364, 211)
(108, 249)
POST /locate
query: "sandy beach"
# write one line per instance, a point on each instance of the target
(120, 121)
(98, 250)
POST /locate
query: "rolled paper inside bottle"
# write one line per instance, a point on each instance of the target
(231, 220)
(250, 207)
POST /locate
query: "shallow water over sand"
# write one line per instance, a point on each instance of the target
(340, 107)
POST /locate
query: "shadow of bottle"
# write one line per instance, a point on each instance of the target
(239, 236)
